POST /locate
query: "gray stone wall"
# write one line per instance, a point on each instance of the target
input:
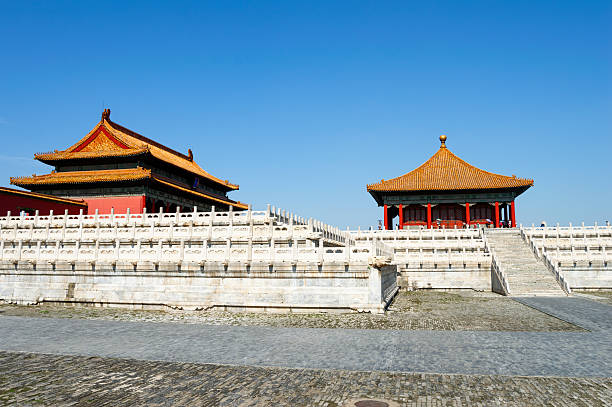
(476, 279)
(279, 287)
(591, 278)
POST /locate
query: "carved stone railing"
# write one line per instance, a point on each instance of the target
(550, 264)
(184, 251)
(499, 282)
(541, 254)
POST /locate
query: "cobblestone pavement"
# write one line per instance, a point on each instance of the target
(47, 380)
(417, 310)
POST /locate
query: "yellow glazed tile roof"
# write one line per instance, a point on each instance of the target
(109, 139)
(83, 177)
(201, 194)
(445, 171)
(130, 174)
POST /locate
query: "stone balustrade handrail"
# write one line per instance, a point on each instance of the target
(557, 244)
(134, 233)
(570, 231)
(556, 272)
(479, 257)
(416, 234)
(185, 251)
(540, 253)
(495, 267)
(14, 227)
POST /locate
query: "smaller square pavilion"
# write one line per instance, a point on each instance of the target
(447, 192)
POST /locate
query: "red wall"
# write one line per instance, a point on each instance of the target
(17, 203)
(120, 204)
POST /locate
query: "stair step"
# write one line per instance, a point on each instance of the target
(525, 274)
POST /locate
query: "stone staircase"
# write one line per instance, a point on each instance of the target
(525, 274)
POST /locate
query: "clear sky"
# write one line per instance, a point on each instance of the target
(304, 103)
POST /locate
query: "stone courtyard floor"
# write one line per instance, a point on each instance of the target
(49, 380)
(415, 310)
(549, 352)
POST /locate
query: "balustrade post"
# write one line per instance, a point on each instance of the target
(347, 248)
(182, 251)
(205, 249)
(250, 246)
(320, 251)
(38, 244)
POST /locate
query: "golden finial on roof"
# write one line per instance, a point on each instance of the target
(106, 114)
(443, 141)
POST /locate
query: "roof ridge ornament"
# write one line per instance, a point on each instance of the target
(106, 114)
(442, 141)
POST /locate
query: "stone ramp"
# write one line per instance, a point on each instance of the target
(580, 354)
(525, 274)
(591, 315)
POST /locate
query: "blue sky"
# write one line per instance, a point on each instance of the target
(304, 103)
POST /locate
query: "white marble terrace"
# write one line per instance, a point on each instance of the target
(271, 236)
(274, 236)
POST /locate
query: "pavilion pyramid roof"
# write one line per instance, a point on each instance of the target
(109, 139)
(445, 171)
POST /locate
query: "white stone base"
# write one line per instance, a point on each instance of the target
(588, 278)
(280, 287)
(477, 279)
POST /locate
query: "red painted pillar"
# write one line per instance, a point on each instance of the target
(467, 214)
(496, 214)
(386, 219)
(401, 217)
(512, 215)
(143, 204)
(428, 215)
